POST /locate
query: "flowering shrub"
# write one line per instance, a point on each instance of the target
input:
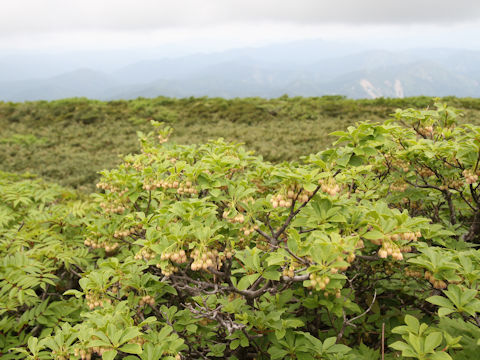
(210, 252)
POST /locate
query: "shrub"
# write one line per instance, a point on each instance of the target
(41, 256)
(210, 252)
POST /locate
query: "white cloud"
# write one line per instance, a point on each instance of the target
(30, 16)
(219, 24)
(219, 37)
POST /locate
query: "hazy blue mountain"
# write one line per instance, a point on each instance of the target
(228, 79)
(81, 82)
(23, 65)
(307, 68)
(26, 67)
(278, 56)
(419, 78)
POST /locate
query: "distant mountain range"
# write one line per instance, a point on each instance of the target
(307, 68)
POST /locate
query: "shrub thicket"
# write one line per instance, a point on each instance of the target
(360, 251)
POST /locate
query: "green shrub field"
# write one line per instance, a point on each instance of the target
(361, 244)
(70, 141)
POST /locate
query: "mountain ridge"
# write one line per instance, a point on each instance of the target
(256, 72)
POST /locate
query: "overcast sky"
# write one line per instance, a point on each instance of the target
(216, 24)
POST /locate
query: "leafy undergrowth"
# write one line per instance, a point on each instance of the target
(364, 250)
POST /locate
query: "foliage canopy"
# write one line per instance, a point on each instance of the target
(208, 251)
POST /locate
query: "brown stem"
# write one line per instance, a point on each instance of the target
(383, 341)
(474, 228)
(294, 213)
(451, 207)
(149, 201)
(270, 239)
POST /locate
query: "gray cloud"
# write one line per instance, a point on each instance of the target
(27, 16)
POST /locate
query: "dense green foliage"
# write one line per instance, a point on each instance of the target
(42, 253)
(209, 251)
(70, 141)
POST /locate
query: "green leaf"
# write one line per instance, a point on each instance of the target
(400, 345)
(102, 336)
(234, 344)
(407, 350)
(33, 344)
(343, 161)
(416, 342)
(441, 355)
(440, 301)
(328, 343)
(76, 293)
(292, 244)
(109, 355)
(217, 350)
(131, 349)
(445, 311)
(276, 258)
(280, 334)
(277, 353)
(271, 275)
(246, 281)
(373, 235)
(432, 341)
(356, 160)
(98, 342)
(191, 328)
(412, 323)
(128, 334)
(244, 341)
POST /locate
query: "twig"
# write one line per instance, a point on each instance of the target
(383, 341)
(349, 321)
(294, 213)
(149, 201)
(296, 278)
(368, 257)
(267, 221)
(366, 311)
(270, 239)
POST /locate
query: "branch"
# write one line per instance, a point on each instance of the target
(307, 231)
(149, 201)
(295, 256)
(427, 186)
(476, 164)
(215, 314)
(216, 272)
(365, 312)
(446, 194)
(296, 278)
(466, 201)
(270, 239)
(349, 321)
(474, 194)
(251, 294)
(294, 213)
(267, 220)
(451, 207)
(367, 257)
(74, 272)
(383, 341)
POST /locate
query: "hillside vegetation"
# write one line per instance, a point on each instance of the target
(69, 141)
(364, 251)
